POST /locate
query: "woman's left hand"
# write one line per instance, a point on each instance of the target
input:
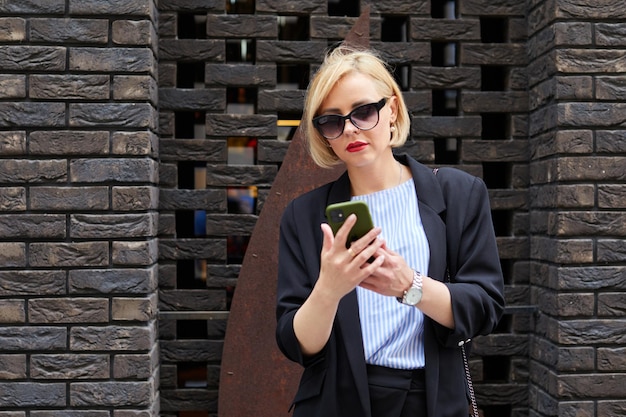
(392, 278)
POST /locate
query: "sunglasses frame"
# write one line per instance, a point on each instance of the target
(377, 105)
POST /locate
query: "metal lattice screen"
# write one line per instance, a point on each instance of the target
(232, 75)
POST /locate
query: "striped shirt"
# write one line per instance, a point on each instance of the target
(393, 332)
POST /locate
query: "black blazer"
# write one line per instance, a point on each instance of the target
(454, 208)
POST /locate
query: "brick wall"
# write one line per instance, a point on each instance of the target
(578, 200)
(528, 96)
(78, 208)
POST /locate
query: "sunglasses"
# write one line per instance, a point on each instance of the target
(364, 117)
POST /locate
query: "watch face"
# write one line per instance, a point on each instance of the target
(413, 296)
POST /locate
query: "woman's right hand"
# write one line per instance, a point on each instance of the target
(342, 269)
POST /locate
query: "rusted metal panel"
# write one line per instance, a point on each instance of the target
(256, 379)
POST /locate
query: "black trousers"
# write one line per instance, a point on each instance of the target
(396, 392)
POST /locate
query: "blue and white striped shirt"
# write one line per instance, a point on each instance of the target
(393, 332)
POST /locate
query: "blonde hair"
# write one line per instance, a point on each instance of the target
(338, 63)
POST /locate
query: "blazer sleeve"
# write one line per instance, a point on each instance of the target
(298, 267)
(476, 284)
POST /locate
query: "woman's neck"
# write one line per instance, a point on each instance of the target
(370, 179)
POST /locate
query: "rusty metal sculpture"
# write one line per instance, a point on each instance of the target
(256, 379)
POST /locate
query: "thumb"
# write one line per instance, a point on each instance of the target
(329, 238)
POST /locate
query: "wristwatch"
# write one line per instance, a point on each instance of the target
(413, 295)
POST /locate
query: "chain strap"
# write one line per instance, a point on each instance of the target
(470, 385)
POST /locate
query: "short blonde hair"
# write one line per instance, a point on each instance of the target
(339, 62)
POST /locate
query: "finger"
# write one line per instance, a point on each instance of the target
(344, 231)
(327, 232)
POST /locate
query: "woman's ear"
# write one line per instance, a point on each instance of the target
(393, 107)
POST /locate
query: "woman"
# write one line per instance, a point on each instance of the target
(377, 326)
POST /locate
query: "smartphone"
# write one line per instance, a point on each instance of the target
(337, 213)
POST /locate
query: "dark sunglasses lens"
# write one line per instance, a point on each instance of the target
(330, 126)
(365, 117)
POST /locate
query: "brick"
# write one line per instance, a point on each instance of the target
(12, 255)
(70, 30)
(577, 409)
(448, 78)
(177, 249)
(12, 367)
(13, 143)
(68, 310)
(446, 127)
(612, 407)
(111, 394)
(112, 281)
(609, 196)
(241, 125)
(590, 332)
(27, 171)
(261, 75)
(198, 300)
(129, 115)
(142, 253)
(611, 141)
(110, 226)
(12, 29)
(590, 278)
(17, 338)
(143, 143)
(574, 87)
(69, 413)
(563, 196)
(113, 170)
(69, 142)
(111, 59)
(588, 223)
(28, 114)
(493, 54)
(32, 283)
(196, 149)
(564, 251)
(303, 7)
(506, 7)
(494, 101)
(590, 60)
(241, 26)
(135, 87)
(134, 309)
(12, 312)
(466, 29)
(289, 101)
(493, 151)
(610, 34)
(290, 51)
(12, 86)
(138, 198)
(133, 32)
(611, 250)
(210, 200)
(591, 386)
(573, 34)
(566, 305)
(602, 9)
(209, 50)
(69, 198)
(32, 58)
(112, 7)
(33, 7)
(32, 226)
(590, 168)
(111, 338)
(32, 394)
(612, 304)
(259, 175)
(69, 254)
(135, 366)
(69, 366)
(69, 87)
(209, 99)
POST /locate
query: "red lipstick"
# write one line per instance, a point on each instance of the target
(356, 146)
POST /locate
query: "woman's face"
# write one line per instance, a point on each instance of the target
(356, 147)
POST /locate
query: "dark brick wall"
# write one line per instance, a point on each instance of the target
(578, 202)
(78, 208)
(114, 182)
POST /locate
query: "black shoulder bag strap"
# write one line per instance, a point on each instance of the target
(468, 375)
